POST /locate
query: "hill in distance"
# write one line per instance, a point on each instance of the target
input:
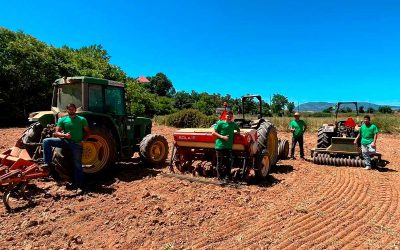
(319, 106)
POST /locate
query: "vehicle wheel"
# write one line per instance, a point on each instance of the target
(268, 139)
(154, 149)
(31, 135)
(99, 151)
(263, 164)
(63, 164)
(283, 149)
(323, 140)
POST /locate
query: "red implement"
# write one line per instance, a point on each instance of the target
(17, 167)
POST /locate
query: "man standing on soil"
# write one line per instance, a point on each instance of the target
(71, 130)
(298, 127)
(225, 131)
(369, 135)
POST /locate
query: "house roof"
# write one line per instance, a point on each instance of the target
(143, 79)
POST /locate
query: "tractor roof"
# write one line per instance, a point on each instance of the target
(89, 80)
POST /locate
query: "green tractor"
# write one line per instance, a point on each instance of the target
(115, 134)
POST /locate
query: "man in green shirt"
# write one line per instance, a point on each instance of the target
(225, 131)
(369, 135)
(298, 127)
(71, 130)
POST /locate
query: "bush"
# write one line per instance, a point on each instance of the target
(187, 118)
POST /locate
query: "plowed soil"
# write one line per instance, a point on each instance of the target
(301, 206)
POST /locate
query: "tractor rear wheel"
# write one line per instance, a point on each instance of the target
(99, 153)
(154, 149)
(323, 140)
(268, 140)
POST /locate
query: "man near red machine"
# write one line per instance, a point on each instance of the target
(369, 136)
(224, 130)
(298, 127)
(71, 130)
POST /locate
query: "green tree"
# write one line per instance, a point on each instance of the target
(266, 109)
(183, 100)
(164, 105)
(385, 109)
(139, 100)
(370, 110)
(328, 110)
(290, 107)
(278, 103)
(28, 67)
(160, 85)
(361, 109)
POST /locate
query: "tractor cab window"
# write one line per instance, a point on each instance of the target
(96, 102)
(114, 100)
(69, 93)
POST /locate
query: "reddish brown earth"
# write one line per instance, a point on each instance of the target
(303, 206)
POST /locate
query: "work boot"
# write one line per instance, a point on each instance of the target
(47, 166)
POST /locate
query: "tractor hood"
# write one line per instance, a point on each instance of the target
(44, 117)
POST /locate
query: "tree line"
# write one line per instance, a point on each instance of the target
(381, 109)
(28, 67)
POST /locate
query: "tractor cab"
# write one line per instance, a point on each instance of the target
(89, 94)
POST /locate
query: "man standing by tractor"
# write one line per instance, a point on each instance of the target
(369, 135)
(297, 127)
(70, 131)
(225, 131)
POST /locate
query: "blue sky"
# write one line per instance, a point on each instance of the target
(305, 50)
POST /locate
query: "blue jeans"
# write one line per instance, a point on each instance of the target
(367, 150)
(74, 148)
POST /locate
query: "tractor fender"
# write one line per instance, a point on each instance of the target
(255, 124)
(328, 128)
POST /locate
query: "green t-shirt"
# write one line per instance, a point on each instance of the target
(368, 133)
(74, 126)
(298, 126)
(226, 129)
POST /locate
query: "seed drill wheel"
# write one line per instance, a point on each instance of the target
(154, 149)
(268, 140)
(263, 164)
(323, 140)
(99, 153)
(283, 149)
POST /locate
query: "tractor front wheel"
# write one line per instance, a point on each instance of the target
(323, 140)
(154, 149)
